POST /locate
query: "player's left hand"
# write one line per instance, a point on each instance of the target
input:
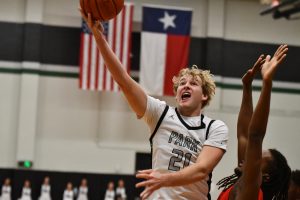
(154, 181)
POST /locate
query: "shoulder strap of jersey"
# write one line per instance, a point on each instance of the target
(210, 175)
(208, 127)
(156, 128)
(158, 123)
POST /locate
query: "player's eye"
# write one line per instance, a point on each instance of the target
(182, 82)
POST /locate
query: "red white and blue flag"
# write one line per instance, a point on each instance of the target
(93, 72)
(165, 42)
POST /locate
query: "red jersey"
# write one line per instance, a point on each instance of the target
(225, 194)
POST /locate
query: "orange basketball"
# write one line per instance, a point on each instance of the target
(102, 10)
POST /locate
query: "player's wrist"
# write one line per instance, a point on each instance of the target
(247, 86)
(267, 82)
(168, 180)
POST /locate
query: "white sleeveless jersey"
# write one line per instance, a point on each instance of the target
(176, 142)
(6, 193)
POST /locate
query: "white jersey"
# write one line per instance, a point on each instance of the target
(177, 141)
(109, 195)
(26, 194)
(5, 193)
(45, 192)
(82, 194)
(121, 192)
(68, 195)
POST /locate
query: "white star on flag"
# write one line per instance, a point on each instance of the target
(168, 20)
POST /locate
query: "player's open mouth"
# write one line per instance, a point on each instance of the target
(185, 95)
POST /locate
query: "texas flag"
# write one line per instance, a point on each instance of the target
(165, 41)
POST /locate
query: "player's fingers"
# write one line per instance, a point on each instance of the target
(143, 184)
(153, 187)
(90, 21)
(144, 194)
(282, 52)
(145, 171)
(278, 50)
(142, 175)
(147, 194)
(281, 59)
(82, 13)
(258, 63)
(268, 57)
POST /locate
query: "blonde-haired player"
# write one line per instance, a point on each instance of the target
(180, 136)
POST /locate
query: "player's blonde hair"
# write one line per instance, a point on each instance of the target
(207, 81)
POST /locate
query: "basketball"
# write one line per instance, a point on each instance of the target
(102, 10)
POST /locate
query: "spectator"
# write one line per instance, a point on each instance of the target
(46, 189)
(121, 191)
(110, 191)
(83, 190)
(26, 191)
(6, 190)
(69, 193)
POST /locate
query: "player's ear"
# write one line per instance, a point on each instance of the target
(204, 97)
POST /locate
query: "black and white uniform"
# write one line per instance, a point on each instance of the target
(45, 192)
(121, 192)
(26, 194)
(5, 193)
(176, 142)
(109, 195)
(82, 194)
(68, 195)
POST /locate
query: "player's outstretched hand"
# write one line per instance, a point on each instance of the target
(271, 64)
(153, 181)
(249, 75)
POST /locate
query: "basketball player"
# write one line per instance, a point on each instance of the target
(181, 136)
(262, 174)
(6, 190)
(45, 189)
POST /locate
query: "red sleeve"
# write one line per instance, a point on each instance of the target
(260, 195)
(224, 195)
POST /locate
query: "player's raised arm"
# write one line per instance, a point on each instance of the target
(246, 109)
(252, 175)
(134, 94)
